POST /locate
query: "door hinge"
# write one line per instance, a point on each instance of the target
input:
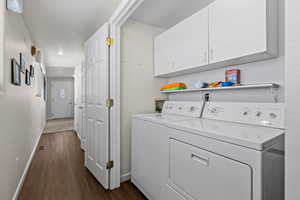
(110, 164)
(109, 41)
(109, 103)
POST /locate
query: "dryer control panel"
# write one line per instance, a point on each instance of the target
(264, 114)
(183, 108)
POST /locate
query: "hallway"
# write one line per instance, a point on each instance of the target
(57, 172)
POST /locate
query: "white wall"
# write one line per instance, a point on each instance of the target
(292, 100)
(2, 18)
(252, 73)
(138, 87)
(22, 113)
(60, 71)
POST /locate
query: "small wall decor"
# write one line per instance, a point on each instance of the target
(27, 77)
(31, 71)
(22, 63)
(15, 72)
(15, 5)
(33, 51)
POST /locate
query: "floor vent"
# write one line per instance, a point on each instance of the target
(41, 148)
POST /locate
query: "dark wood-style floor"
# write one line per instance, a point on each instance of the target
(57, 172)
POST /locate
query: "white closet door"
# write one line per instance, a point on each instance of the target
(237, 29)
(83, 83)
(84, 131)
(97, 114)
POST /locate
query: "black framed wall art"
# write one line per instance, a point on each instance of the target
(22, 63)
(31, 71)
(15, 72)
(27, 77)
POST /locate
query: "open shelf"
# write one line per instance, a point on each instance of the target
(251, 86)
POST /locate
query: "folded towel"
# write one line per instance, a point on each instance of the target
(174, 88)
(174, 85)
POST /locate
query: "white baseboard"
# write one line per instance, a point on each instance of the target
(141, 189)
(125, 177)
(21, 182)
(83, 145)
(78, 135)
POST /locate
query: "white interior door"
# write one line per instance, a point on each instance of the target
(83, 120)
(78, 121)
(61, 98)
(97, 114)
(79, 103)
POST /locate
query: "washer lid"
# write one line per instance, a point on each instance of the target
(251, 136)
(161, 118)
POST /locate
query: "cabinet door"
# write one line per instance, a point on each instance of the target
(183, 46)
(190, 41)
(237, 29)
(163, 59)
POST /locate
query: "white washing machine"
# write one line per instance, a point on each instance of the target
(234, 152)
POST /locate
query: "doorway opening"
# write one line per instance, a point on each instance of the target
(60, 98)
(60, 105)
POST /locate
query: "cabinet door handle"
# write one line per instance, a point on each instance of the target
(202, 160)
(211, 54)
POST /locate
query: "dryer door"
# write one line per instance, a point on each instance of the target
(199, 174)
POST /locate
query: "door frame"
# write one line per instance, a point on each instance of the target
(49, 79)
(118, 19)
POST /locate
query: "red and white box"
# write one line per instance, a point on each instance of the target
(233, 75)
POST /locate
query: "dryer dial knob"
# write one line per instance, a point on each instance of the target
(258, 114)
(273, 115)
(192, 108)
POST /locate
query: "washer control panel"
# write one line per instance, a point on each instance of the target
(183, 108)
(265, 114)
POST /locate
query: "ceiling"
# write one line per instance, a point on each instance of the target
(167, 13)
(64, 25)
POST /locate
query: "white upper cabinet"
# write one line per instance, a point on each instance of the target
(227, 32)
(184, 46)
(238, 29)
(163, 63)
